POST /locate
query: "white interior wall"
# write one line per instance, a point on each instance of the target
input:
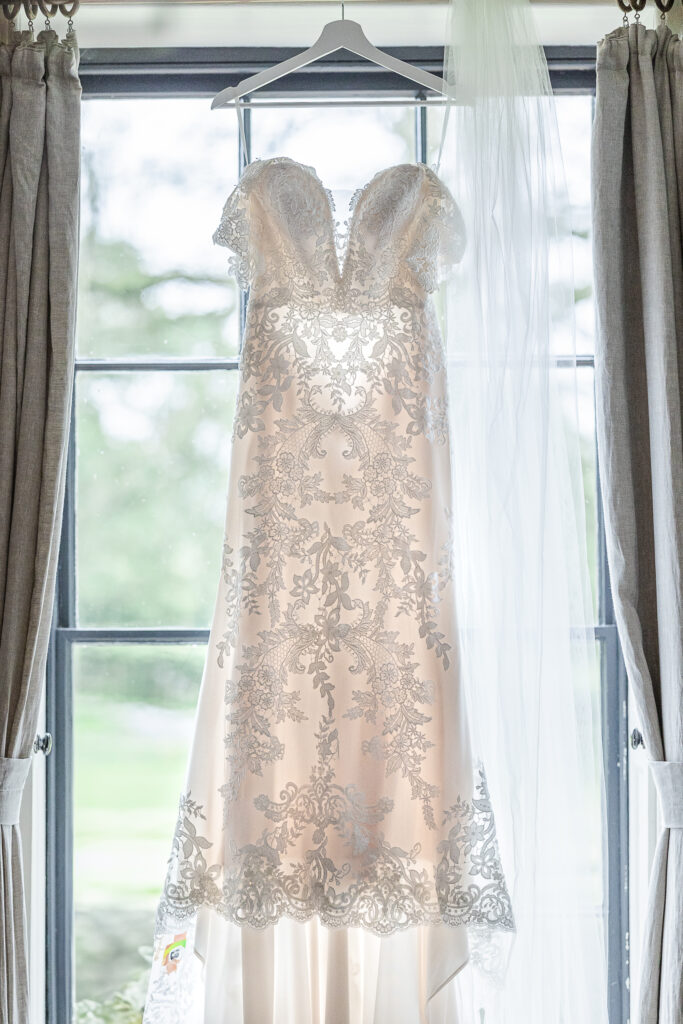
(101, 23)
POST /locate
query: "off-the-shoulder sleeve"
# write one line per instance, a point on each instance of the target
(452, 233)
(440, 238)
(234, 232)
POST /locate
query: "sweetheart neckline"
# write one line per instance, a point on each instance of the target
(309, 167)
(339, 249)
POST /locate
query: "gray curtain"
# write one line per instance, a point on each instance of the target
(637, 212)
(39, 215)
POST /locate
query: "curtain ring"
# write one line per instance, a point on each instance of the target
(665, 6)
(31, 10)
(49, 10)
(68, 12)
(634, 5)
(10, 11)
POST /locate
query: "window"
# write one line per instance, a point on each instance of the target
(159, 325)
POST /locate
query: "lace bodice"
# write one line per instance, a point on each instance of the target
(280, 222)
(340, 313)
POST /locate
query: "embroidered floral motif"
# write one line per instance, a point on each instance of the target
(472, 840)
(394, 889)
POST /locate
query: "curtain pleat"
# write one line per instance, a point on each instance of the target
(637, 210)
(39, 220)
(13, 965)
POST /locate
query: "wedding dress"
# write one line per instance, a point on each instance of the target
(335, 849)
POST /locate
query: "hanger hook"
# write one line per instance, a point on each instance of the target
(342, 11)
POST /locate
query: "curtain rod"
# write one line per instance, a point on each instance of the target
(287, 104)
(326, 3)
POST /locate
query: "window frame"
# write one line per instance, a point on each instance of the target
(202, 72)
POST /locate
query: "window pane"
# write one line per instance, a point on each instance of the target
(133, 717)
(591, 866)
(579, 384)
(346, 147)
(153, 452)
(574, 116)
(435, 116)
(156, 174)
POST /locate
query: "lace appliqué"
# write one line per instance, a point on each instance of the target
(440, 239)
(237, 231)
(436, 235)
(394, 890)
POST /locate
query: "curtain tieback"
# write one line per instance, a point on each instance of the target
(13, 775)
(668, 779)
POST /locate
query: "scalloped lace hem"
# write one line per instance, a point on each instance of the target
(173, 917)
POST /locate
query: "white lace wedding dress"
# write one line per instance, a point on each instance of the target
(335, 844)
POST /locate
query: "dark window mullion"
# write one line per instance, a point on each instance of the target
(59, 767)
(134, 365)
(421, 142)
(244, 158)
(132, 635)
(615, 762)
(616, 865)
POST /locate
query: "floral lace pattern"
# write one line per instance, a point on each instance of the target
(347, 789)
(394, 890)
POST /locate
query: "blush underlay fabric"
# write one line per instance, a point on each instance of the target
(334, 859)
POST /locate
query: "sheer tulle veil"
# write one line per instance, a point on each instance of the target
(524, 600)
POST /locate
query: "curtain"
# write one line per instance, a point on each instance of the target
(638, 204)
(39, 217)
